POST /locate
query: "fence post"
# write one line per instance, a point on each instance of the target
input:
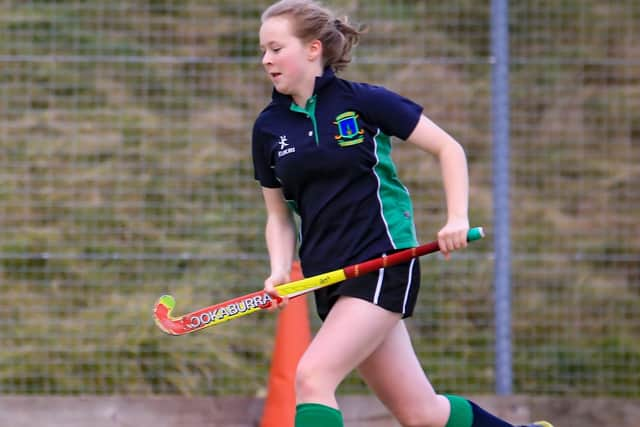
(501, 213)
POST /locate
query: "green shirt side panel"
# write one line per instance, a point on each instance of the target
(394, 197)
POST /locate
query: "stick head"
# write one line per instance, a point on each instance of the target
(162, 313)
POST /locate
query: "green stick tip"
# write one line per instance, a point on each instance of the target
(168, 301)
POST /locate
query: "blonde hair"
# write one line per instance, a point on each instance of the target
(312, 21)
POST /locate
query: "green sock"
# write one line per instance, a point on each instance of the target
(461, 412)
(465, 413)
(317, 415)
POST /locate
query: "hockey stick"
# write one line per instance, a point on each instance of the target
(259, 300)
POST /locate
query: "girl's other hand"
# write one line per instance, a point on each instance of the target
(453, 236)
(270, 285)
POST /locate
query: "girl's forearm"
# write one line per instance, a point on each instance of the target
(455, 177)
(281, 243)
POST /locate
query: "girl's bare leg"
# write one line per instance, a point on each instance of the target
(394, 373)
(351, 332)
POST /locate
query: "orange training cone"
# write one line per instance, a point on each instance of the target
(293, 335)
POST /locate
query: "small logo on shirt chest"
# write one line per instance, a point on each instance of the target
(283, 147)
(348, 129)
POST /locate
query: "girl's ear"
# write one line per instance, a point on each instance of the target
(314, 50)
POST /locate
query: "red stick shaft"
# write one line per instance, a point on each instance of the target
(389, 260)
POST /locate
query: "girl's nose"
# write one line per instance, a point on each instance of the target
(266, 58)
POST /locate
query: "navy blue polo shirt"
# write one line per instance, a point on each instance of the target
(332, 160)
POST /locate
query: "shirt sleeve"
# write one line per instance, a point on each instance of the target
(394, 114)
(263, 170)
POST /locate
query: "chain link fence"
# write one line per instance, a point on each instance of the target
(125, 173)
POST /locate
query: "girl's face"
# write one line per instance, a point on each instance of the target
(290, 63)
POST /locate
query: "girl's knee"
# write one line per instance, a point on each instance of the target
(312, 380)
(432, 414)
(306, 382)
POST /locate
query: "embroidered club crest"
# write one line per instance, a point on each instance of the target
(350, 132)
